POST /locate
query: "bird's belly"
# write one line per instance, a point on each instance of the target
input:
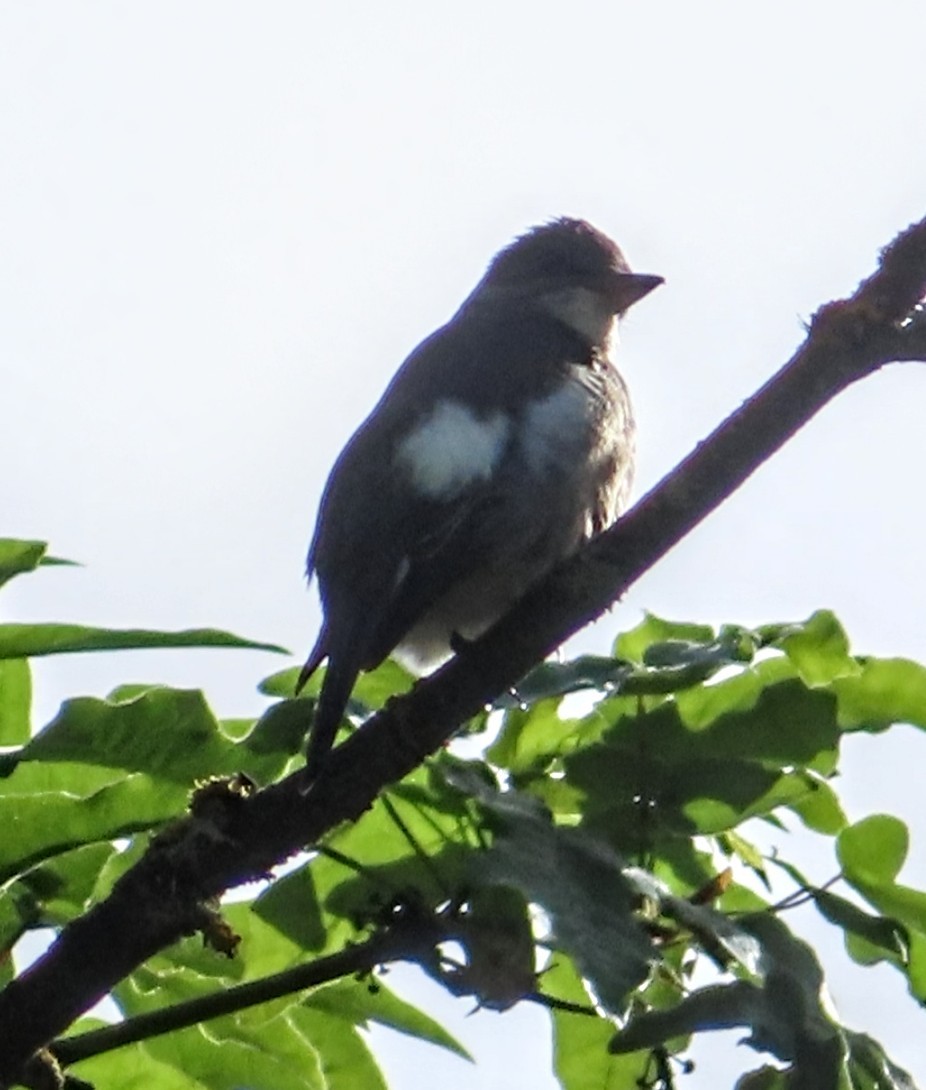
(468, 610)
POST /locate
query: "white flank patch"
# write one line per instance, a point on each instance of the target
(451, 448)
(556, 426)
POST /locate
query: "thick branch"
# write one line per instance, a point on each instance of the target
(160, 899)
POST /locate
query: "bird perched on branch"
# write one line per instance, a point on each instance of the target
(504, 441)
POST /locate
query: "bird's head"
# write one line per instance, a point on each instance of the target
(570, 269)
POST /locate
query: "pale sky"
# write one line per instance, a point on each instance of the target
(224, 224)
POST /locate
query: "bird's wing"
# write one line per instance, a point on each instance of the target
(454, 546)
(413, 505)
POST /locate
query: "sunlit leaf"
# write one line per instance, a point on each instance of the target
(15, 701)
(29, 640)
(634, 644)
(581, 1060)
(819, 648)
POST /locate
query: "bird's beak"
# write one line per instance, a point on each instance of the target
(629, 288)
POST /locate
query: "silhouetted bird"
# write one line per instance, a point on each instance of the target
(504, 441)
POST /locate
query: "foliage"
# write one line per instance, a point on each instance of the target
(601, 836)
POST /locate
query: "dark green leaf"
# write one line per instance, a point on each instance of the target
(871, 1068)
(578, 881)
(764, 1078)
(551, 679)
(51, 893)
(783, 1014)
(879, 931)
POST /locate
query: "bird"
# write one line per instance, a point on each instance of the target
(503, 443)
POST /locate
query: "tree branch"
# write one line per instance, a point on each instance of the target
(406, 941)
(163, 896)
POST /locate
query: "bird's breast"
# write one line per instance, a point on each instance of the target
(556, 428)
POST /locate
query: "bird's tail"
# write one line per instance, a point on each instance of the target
(332, 700)
(317, 656)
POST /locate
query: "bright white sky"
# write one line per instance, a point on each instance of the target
(223, 225)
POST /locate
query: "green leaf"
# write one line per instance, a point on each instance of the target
(242, 1050)
(17, 557)
(764, 1078)
(819, 648)
(871, 1068)
(653, 774)
(783, 1014)
(578, 881)
(314, 1029)
(390, 866)
(135, 1068)
(15, 701)
(282, 684)
(375, 687)
(291, 904)
(320, 905)
(63, 887)
(345, 1061)
(166, 732)
(733, 843)
(531, 738)
(581, 1060)
(370, 693)
(873, 850)
(53, 822)
(359, 1002)
(29, 640)
(820, 809)
(878, 931)
(871, 853)
(68, 786)
(887, 691)
(634, 644)
(552, 679)
(52, 893)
